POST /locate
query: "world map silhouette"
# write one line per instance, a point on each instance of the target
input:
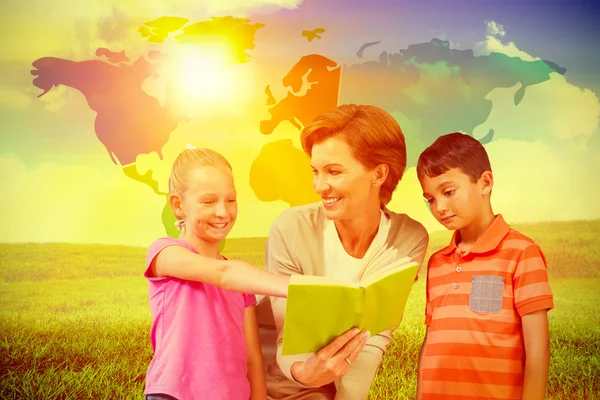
(443, 89)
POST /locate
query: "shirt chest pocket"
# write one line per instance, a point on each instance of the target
(486, 294)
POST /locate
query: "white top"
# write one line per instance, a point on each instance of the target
(341, 265)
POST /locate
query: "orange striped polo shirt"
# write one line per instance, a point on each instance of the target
(474, 307)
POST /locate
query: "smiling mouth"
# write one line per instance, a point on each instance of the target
(219, 226)
(331, 201)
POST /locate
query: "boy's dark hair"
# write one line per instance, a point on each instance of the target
(454, 150)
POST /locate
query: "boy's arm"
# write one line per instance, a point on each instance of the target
(537, 354)
(420, 366)
(533, 298)
(256, 367)
(234, 275)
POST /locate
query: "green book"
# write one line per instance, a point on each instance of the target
(319, 309)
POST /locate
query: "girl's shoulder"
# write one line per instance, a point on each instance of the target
(169, 241)
(161, 243)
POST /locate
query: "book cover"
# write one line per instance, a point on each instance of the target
(319, 309)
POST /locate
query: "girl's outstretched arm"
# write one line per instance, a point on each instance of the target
(234, 275)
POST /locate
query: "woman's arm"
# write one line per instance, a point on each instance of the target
(356, 383)
(326, 365)
(234, 275)
(256, 367)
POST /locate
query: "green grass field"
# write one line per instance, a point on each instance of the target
(74, 319)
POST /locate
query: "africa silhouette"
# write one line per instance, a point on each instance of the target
(290, 181)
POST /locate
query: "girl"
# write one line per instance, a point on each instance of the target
(204, 331)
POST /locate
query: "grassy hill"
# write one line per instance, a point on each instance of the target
(47, 261)
(74, 319)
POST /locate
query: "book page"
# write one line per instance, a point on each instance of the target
(386, 299)
(392, 267)
(382, 255)
(313, 280)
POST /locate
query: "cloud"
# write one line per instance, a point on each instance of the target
(56, 99)
(38, 28)
(11, 97)
(97, 203)
(408, 199)
(494, 44)
(93, 201)
(246, 7)
(77, 204)
(494, 29)
(540, 181)
(533, 181)
(554, 110)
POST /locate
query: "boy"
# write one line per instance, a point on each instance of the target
(487, 292)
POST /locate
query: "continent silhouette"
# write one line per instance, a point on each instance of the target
(312, 34)
(321, 95)
(440, 89)
(129, 122)
(282, 172)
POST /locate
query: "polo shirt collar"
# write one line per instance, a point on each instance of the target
(490, 240)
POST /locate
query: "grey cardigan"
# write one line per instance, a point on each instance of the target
(295, 246)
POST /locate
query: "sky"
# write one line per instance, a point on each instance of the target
(61, 185)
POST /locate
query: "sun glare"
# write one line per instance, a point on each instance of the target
(208, 77)
(204, 74)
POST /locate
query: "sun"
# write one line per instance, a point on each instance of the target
(203, 74)
(201, 80)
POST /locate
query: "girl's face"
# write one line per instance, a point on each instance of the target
(209, 205)
(343, 182)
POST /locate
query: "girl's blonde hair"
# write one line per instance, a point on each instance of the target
(185, 162)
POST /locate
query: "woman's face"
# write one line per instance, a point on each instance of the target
(343, 182)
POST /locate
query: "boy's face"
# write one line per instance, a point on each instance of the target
(454, 199)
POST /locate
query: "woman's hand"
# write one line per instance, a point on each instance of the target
(332, 361)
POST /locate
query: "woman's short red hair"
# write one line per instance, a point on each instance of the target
(372, 133)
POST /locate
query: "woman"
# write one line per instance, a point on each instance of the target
(358, 156)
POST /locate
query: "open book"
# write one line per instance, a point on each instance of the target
(319, 309)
